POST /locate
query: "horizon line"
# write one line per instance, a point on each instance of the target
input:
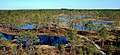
(67, 9)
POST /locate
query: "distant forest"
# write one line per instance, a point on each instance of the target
(16, 16)
(111, 13)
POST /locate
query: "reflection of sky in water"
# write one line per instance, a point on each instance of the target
(86, 28)
(27, 26)
(104, 23)
(64, 22)
(64, 17)
(94, 22)
(83, 22)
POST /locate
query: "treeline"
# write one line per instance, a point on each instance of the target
(46, 14)
(95, 12)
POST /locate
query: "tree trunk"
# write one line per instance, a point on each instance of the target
(63, 51)
(4, 49)
(103, 42)
(80, 51)
(21, 47)
(71, 49)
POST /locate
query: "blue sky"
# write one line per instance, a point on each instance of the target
(58, 4)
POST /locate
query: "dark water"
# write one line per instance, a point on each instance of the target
(7, 36)
(44, 40)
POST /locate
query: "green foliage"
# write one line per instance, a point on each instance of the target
(110, 49)
(28, 37)
(80, 51)
(60, 46)
(117, 33)
(3, 42)
(72, 37)
(117, 50)
(91, 49)
(90, 25)
(11, 18)
(72, 34)
(103, 32)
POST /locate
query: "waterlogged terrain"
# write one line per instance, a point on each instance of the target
(59, 32)
(83, 27)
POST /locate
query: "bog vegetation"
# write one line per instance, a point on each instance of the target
(49, 22)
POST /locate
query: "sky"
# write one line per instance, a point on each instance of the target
(58, 4)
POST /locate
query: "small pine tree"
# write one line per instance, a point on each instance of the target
(29, 38)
